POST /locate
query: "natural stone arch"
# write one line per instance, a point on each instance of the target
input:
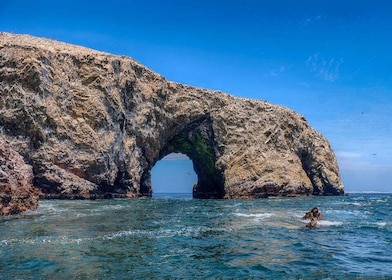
(196, 140)
(93, 125)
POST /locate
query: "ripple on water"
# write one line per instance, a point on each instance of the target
(161, 238)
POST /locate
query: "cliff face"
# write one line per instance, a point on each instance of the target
(17, 193)
(93, 124)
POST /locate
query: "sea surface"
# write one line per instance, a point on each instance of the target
(177, 237)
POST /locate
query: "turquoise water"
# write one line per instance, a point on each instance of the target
(175, 236)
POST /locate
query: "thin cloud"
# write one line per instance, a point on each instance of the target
(312, 20)
(277, 71)
(325, 69)
(304, 84)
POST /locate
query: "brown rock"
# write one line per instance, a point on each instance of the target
(93, 124)
(314, 216)
(312, 223)
(17, 193)
(313, 213)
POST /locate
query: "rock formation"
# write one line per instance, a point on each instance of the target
(17, 193)
(314, 216)
(93, 124)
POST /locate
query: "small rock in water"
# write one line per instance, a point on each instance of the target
(312, 223)
(314, 215)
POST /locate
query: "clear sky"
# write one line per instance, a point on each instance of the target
(331, 61)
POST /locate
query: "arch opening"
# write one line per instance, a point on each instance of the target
(195, 140)
(173, 174)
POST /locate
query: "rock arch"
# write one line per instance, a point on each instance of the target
(196, 140)
(91, 124)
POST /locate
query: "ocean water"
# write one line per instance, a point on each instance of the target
(177, 237)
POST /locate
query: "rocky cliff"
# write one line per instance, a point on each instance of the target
(91, 124)
(17, 193)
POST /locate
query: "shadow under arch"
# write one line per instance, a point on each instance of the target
(196, 140)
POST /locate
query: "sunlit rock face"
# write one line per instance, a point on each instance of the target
(93, 125)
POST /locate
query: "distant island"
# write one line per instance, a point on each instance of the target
(84, 124)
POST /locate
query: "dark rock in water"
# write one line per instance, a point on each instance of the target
(314, 215)
(91, 124)
(17, 193)
(312, 223)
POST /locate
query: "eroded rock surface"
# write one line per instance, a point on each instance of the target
(17, 193)
(93, 124)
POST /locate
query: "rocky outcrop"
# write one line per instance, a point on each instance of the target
(17, 193)
(93, 124)
(314, 216)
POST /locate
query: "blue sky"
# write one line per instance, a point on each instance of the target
(331, 61)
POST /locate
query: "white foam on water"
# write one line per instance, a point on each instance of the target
(381, 224)
(235, 205)
(356, 203)
(304, 221)
(125, 233)
(329, 223)
(299, 216)
(256, 215)
(344, 212)
(49, 207)
(6, 242)
(113, 207)
(44, 240)
(161, 233)
(79, 215)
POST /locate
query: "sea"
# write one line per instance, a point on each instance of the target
(172, 236)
